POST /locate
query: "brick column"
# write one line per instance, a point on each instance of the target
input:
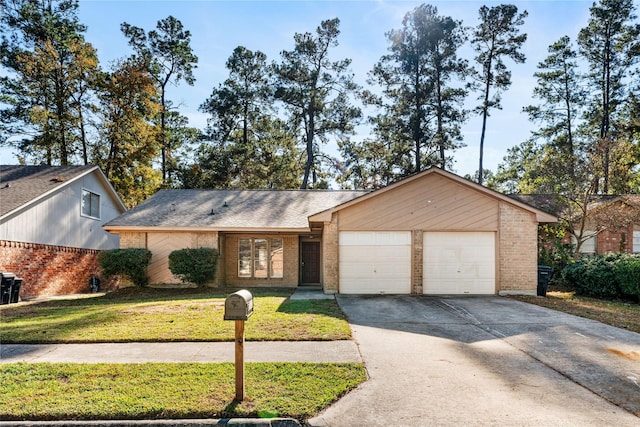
(417, 262)
(517, 251)
(330, 251)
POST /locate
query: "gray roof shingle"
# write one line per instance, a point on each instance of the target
(232, 209)
(20, 185)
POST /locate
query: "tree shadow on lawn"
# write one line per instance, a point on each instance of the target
(318, 307)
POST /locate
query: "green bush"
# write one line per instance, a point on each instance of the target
(194, 265)
(574, 272)
(609, 276)
(600, 279)
(628, 276)
(131, 263)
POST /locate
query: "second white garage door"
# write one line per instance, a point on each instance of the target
(374, 262)
(459, 263)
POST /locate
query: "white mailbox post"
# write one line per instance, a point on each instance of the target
(239, 306)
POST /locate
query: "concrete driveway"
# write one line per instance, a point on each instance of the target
(486, 361)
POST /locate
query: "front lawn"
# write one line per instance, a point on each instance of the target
(615, 313)
(66, 391)
(161, 315)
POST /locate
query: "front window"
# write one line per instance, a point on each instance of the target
(90, 204)
(260, 258)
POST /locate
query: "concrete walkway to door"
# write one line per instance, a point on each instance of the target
(486, 361)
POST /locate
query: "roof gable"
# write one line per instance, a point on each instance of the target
(471, 186)
(20, 186)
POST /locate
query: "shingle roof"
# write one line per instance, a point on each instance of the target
(231, 209)
(21, 184)
(550, 203)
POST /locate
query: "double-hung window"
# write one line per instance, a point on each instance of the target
(260, 258)
(590, 245)
(90, 205)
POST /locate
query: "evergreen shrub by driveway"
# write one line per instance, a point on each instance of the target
(609, 276)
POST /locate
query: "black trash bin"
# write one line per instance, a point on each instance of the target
(15, 289)
(544, 277)
(94, 283)
(6, 283)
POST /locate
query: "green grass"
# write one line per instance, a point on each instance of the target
(162, 315)
(66, 391)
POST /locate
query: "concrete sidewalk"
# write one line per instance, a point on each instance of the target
(260, 351)
(179, 352)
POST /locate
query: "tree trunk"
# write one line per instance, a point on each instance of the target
(310, 129)
(485, 113)
(163, 146)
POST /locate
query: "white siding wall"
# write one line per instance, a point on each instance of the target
(57, 220)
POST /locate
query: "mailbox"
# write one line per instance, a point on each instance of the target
(238, 305)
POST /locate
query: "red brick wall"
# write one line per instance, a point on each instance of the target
(51, 270)
(615, 241)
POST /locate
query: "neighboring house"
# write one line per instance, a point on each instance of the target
(608, 223)
(431, 233)
(51, 220)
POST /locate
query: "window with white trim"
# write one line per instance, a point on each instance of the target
(636, 241)
(90, 204)
(589, 246)
(261, 258)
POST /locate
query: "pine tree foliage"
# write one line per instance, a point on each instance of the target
(316, 92)
(168, 57)
(421, 104)
(496, 38)
(47, 94)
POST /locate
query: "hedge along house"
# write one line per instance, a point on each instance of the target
(431, 233)
(51, 220)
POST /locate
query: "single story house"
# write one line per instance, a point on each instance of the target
(431, 233)
(606, 223)
(51, 220)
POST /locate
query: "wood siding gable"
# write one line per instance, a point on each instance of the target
(432, 202)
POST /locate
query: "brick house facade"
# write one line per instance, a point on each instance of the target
(430, 233)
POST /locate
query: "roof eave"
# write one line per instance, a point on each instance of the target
(545, 218)
(116, 229)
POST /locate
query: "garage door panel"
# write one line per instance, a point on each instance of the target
(374, 254)
(459, 263)
(371, 238)
(375, 262)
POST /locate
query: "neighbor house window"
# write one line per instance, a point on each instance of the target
(90, 204)
(636, 241)
(260, 258)
(589, 246)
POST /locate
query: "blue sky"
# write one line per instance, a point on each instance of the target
(217, 27)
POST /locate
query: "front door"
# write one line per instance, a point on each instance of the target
(310, 262)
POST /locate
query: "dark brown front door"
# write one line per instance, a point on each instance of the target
(310, 262)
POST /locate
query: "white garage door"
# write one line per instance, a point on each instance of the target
(459, 263)
(375, 262)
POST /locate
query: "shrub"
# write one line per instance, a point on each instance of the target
(574, 272)
(194, 265)
(595, 276)
(131, 263)
(628, 276)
